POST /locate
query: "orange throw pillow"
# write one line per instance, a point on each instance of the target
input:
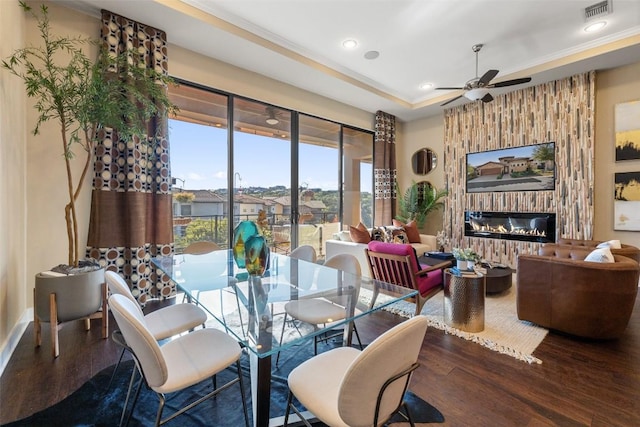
(411, 228)
(359, 234)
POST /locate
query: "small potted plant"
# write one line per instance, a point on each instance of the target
(461, 258)
(465, 258)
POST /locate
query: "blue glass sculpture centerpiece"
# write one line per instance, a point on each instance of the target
(243, 231)
(256, 255)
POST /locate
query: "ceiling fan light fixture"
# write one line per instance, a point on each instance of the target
(476, 94)
(271, 117)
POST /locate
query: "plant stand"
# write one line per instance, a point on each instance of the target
(60, 298)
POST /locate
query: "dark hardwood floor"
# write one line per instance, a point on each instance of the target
(580, 383)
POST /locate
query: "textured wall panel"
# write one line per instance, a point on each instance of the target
(561, 111)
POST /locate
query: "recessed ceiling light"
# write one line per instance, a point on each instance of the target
(372, 54)
(350, 44)
(596, 26)
(426, 86)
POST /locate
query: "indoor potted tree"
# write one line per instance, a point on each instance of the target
(85, 96)
(417, 202)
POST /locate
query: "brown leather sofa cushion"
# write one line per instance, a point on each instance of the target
(626, 250)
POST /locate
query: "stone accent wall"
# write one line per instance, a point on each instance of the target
(562, 111)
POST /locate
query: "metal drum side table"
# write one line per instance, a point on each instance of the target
(464, 301)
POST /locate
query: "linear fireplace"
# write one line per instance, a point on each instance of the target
(528, 227)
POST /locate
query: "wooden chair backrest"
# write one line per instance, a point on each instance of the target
(394, 269)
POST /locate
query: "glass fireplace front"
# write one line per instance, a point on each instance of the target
(528, 227)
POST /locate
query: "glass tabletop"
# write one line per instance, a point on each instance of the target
(252, 308)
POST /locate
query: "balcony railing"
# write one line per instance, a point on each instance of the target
(214, 228)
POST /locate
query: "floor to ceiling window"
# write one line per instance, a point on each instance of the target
(300, 177)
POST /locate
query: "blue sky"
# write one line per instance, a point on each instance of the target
(199, 157)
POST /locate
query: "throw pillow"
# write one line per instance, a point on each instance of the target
(359, 234)
(411, 228)
(378, 234)
(600, 255)
(396, 235)
(611, 244)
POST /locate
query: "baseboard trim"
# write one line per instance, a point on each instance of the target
(11, 343)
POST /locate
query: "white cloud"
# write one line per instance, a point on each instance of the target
(193, 176)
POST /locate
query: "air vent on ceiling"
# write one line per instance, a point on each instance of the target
(598, 10)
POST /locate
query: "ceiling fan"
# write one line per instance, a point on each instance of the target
(478, 87)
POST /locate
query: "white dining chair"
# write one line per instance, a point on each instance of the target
(163, 323)
(180, 363)
(346, 387)
(329, 309)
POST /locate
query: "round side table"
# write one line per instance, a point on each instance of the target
(464, 301)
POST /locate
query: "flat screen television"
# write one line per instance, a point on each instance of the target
(526, 168)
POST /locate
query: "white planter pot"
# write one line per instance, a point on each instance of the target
(471, 265)
(461, 264)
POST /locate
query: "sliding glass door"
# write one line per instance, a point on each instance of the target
(262, 170)
(298, 177)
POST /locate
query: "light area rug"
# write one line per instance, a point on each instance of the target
(503, 331)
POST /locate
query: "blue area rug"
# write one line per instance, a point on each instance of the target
(94, 405)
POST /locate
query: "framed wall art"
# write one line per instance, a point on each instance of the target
(626, 211)
(627, 129)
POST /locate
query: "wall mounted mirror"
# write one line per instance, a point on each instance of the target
(423, 187)
(424, 161)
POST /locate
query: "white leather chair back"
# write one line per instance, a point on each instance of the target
(304, 252)
(117, 285)
(138, 337)
(347, 263)
(391, 353)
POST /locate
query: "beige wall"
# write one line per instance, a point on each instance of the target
(413, 136)
(13, 171)
(612, 87)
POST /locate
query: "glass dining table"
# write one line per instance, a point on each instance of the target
(244, 305)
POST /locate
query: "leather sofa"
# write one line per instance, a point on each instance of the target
(625, 250)
(558, 290)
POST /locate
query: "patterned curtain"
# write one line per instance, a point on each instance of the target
(384, 155)
(131, 217)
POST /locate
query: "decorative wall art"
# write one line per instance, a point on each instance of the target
(626, 215)
(627, 129)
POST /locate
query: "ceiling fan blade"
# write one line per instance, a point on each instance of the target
(511, 82)
(487, 98)
(486, 78)
(451, 100)
(449, 88)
